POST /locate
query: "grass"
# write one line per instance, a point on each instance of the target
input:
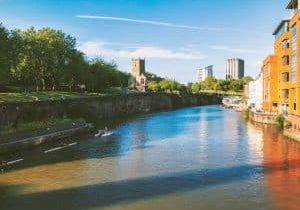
(56, 95)
(36, 96)
(30, 129)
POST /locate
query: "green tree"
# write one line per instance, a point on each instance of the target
(5, 49)
(236, 85)
(247, 79)
(209, 83)
(102, 75)
(196, 87)
(153, 86)
(45, 54)
(170, 85)
(74, 74)
(153, 77)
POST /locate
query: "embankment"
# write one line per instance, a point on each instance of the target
(92, 109)
(291, 123)
(264, 118)
(100, 108)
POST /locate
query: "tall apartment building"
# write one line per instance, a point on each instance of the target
(281, 75)
(203, 73)
(235, 68)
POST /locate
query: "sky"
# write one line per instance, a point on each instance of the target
(174, 36)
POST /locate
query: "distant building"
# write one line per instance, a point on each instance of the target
(235, 68)
(138, 78)
(255, 94)
(203, 73)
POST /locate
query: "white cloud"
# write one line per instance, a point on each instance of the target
(95, 49)
(150, 22)
(230, 49)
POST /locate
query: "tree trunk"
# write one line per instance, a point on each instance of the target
(53, 84)
(43, 85)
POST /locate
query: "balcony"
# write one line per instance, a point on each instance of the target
(281, 28)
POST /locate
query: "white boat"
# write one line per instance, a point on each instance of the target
(103, 133)
(107, 134)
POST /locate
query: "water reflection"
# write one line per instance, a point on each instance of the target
(282, 156)
(184, 159)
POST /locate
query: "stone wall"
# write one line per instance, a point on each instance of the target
(100, 108)
(263, 118)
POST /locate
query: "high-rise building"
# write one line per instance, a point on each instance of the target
(235, 68)
(203, 73)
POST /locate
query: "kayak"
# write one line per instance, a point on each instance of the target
(103, 133)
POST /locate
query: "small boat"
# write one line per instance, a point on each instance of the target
(103, 133)
(100, 133)
(107, 134)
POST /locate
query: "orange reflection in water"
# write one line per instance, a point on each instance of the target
(281, 158)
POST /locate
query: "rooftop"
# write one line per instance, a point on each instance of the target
(280, 26)
(292, 4)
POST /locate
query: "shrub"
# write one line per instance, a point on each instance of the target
(280, 121)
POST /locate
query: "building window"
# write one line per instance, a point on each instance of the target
(283, 28)
(142, 81)
(286, 60)
(285, 77)
(295, 106)
(285, 44)
(285, 93)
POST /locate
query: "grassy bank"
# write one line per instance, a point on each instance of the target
(36, 96)
(31, 129)
(57, 95)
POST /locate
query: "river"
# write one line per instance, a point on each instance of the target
(193, 158)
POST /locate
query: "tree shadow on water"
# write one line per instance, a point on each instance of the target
(118, 192)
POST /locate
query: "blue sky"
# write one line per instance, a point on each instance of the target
(175, 36)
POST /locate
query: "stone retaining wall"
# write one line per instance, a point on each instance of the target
(264, 118)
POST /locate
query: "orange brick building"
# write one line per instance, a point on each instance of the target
(270, 84)
(281, 71)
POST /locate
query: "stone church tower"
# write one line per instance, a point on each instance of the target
(138, 78)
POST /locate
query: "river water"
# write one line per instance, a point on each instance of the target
(194, 158)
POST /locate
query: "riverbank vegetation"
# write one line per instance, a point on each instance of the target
(47, 60)
(40, 60)
(213, 84)
(166, 85)
(210, 85)
(37, 96)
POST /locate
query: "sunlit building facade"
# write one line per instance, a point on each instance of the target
(235, 68)
(281, 78)
(203, 73)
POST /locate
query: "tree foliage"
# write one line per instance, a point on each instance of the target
(166, 85)
(47, 59)
(5, 49)
(219, 85)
